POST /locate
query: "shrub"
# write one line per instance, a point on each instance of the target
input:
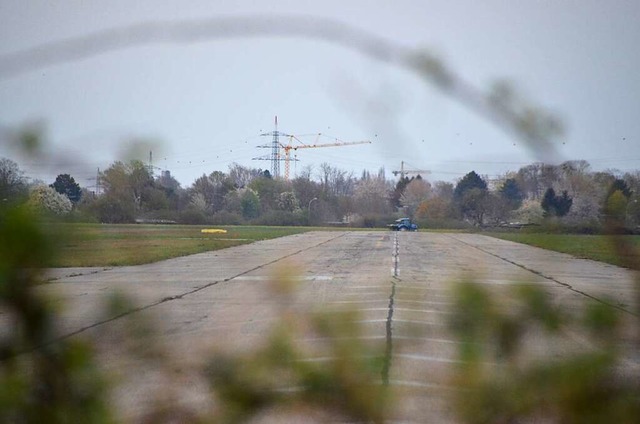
(280, 218)
(161, 215)
(226, 218)
(193, 216)
(530, 212)
(46, 200)
(113, 210)
(375, 221)
(559, 227)
(445, 224)
(81, 216)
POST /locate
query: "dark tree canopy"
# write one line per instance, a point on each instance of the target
(468, 182)
(563, 204)
(548, 202)
(250, 203)
(470, 197)
(399, 190)
(474, 204)
(512, 193)
(620, 185)
(66, 184)
(554, 205)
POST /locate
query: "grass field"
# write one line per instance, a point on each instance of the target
(596, 247)
(82, 245)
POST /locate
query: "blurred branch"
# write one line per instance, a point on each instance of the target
(531, 124)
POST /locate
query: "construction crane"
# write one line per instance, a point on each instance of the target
(289, 147)
(278, 148)
(404, 172)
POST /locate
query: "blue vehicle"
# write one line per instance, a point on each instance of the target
(403, 224)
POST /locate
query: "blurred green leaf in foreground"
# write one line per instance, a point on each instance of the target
(519, 361)
(40, 381)
(284, 376)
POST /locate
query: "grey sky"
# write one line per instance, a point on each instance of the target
(205, 103)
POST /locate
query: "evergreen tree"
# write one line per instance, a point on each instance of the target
(554, 205)
(398, 191)
(620, 185)
(548, 202)
(468, 182)
(66, 184)
(470, 197)
(512, 193)
(250, 203)
(563, 204)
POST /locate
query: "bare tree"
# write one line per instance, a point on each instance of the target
(372, 196)
(416, 192)
(242, 175)
(336, 182)
(12, 181)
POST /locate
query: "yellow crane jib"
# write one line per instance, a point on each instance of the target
(289, 147)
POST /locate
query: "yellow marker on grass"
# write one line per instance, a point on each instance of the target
(213, 231)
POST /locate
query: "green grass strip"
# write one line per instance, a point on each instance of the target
(597, 247)
(85, 245)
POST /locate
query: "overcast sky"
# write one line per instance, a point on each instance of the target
(204, 104)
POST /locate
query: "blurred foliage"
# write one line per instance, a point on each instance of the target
(48, 378)
(513, 366)
(345, 384)
(616, 207)
(516, 364)
(42, 379)
(518, 360)
(29, 137)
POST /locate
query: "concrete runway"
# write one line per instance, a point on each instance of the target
(399, 282)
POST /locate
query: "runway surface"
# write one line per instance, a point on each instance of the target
(399, 283)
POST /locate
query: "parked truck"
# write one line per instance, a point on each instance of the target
(403, 224)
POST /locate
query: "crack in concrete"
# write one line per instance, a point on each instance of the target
(546, 277)
(76, 274)
(396, 256)
(386, 365)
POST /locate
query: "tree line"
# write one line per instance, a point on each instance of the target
(568, 194)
